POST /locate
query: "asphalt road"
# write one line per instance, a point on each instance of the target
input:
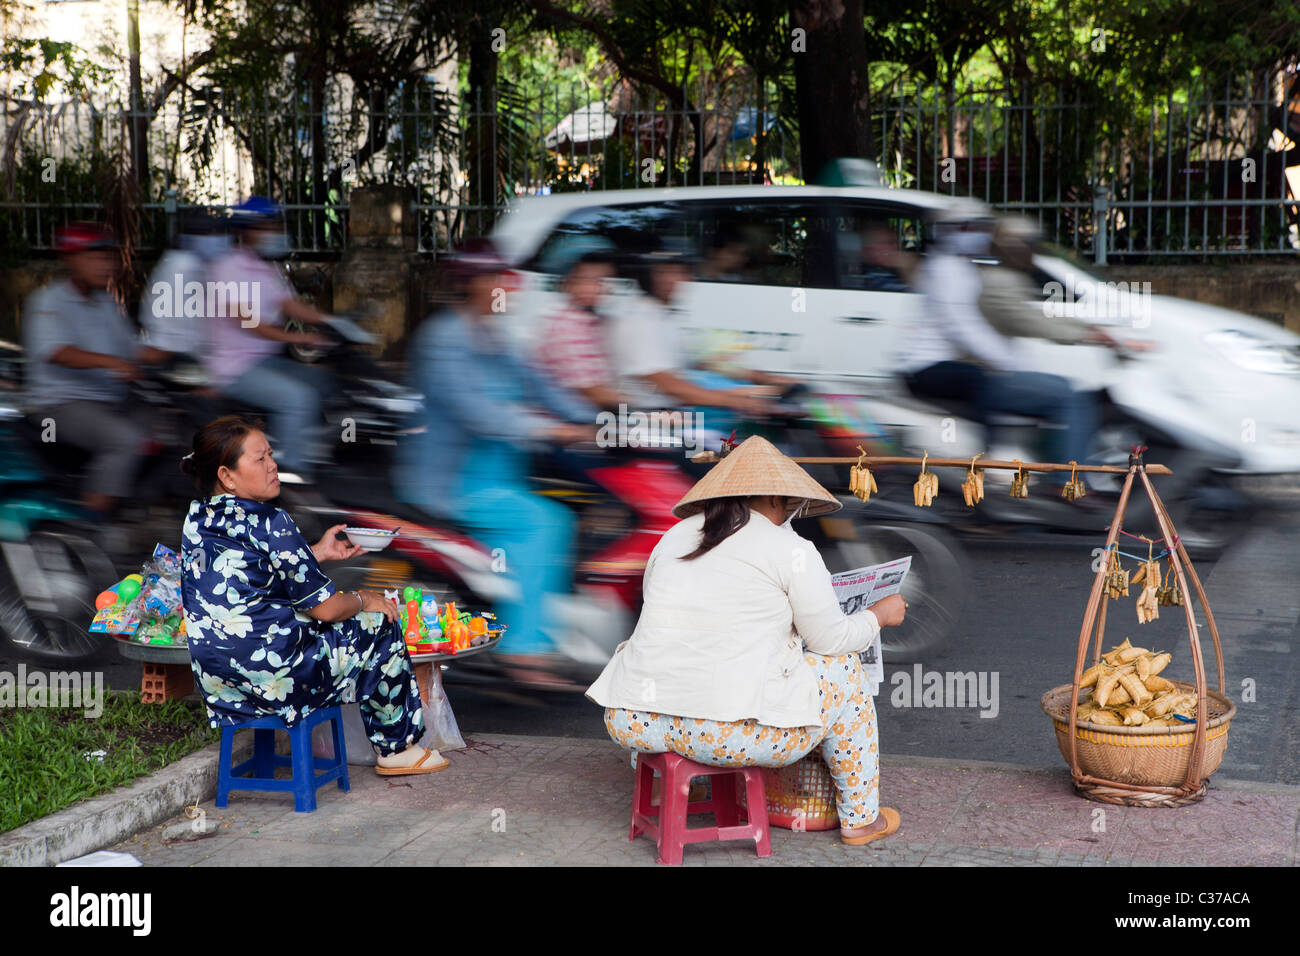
(1022, 624)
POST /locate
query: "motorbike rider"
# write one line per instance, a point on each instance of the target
(649, 353)
(180, 272)
(173, 308)
(247, 359)
(955, 352)
(572, 348)
(81, 353)
(469, 457)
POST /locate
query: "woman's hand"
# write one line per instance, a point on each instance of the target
(373, 601)
(890, 611)
(331, 548)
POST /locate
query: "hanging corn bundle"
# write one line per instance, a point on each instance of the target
(972, 489)
(1020, 483)
(1170, 595)
(861, 482)
(926, 487)
(1148, 575)
(1075, 488)
(1117, 580)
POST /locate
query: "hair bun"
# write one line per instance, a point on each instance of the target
(187, 465)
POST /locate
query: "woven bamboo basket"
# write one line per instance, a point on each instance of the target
(1158, 756)
(800, 796)
(1144, 766)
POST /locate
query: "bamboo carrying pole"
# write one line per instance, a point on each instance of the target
(1041, 466)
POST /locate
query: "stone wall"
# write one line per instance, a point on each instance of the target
(1270, 290)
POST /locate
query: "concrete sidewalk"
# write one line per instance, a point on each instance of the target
(538, 801)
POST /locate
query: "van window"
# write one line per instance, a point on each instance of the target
(623, 230)
(878, 247)
(764, 243)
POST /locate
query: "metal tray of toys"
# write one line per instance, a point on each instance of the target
(153, 653)
(429, 657)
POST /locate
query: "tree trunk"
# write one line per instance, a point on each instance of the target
(831, 86)
(481, 137)
(139, 125)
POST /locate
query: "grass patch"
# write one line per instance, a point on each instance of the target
(43, 767)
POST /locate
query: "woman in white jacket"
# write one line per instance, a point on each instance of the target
(742, 656)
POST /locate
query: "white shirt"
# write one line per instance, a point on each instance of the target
(950, 327)
(173, 306)
(722, 637)
(644, 338)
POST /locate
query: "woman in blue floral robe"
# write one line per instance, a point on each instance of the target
(269, 633)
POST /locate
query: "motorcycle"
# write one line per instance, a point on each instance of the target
(53, 563)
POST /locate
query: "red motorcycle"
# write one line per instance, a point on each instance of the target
(623, 503)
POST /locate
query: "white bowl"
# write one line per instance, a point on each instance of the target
(370, 539)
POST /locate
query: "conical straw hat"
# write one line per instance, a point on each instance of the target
(756, 467)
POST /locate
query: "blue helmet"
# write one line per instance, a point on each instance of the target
(257, 211)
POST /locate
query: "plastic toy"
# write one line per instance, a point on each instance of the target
(123, 592)
(412, 632)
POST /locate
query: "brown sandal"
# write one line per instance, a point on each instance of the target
(855, 836)
(417, 767)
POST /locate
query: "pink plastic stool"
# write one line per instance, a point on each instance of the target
(667, 823)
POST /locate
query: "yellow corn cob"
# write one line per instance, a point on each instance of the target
(1112, 655)
(1136, 689)
(1133, 717)
(1159, 662)
(1156, 684)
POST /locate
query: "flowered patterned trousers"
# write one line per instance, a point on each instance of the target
(361, 659)
(846, 737)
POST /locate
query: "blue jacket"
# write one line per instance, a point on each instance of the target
(480, 399)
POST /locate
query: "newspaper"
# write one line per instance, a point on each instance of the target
(863, 587)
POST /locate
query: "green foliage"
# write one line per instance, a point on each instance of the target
(43, 767)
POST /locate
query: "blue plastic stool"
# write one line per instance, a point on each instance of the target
(262, 764)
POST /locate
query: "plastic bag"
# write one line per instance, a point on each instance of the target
(440, 729)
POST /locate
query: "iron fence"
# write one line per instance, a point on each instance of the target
(1202, 174)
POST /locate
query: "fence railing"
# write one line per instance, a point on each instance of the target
(1200, 175)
